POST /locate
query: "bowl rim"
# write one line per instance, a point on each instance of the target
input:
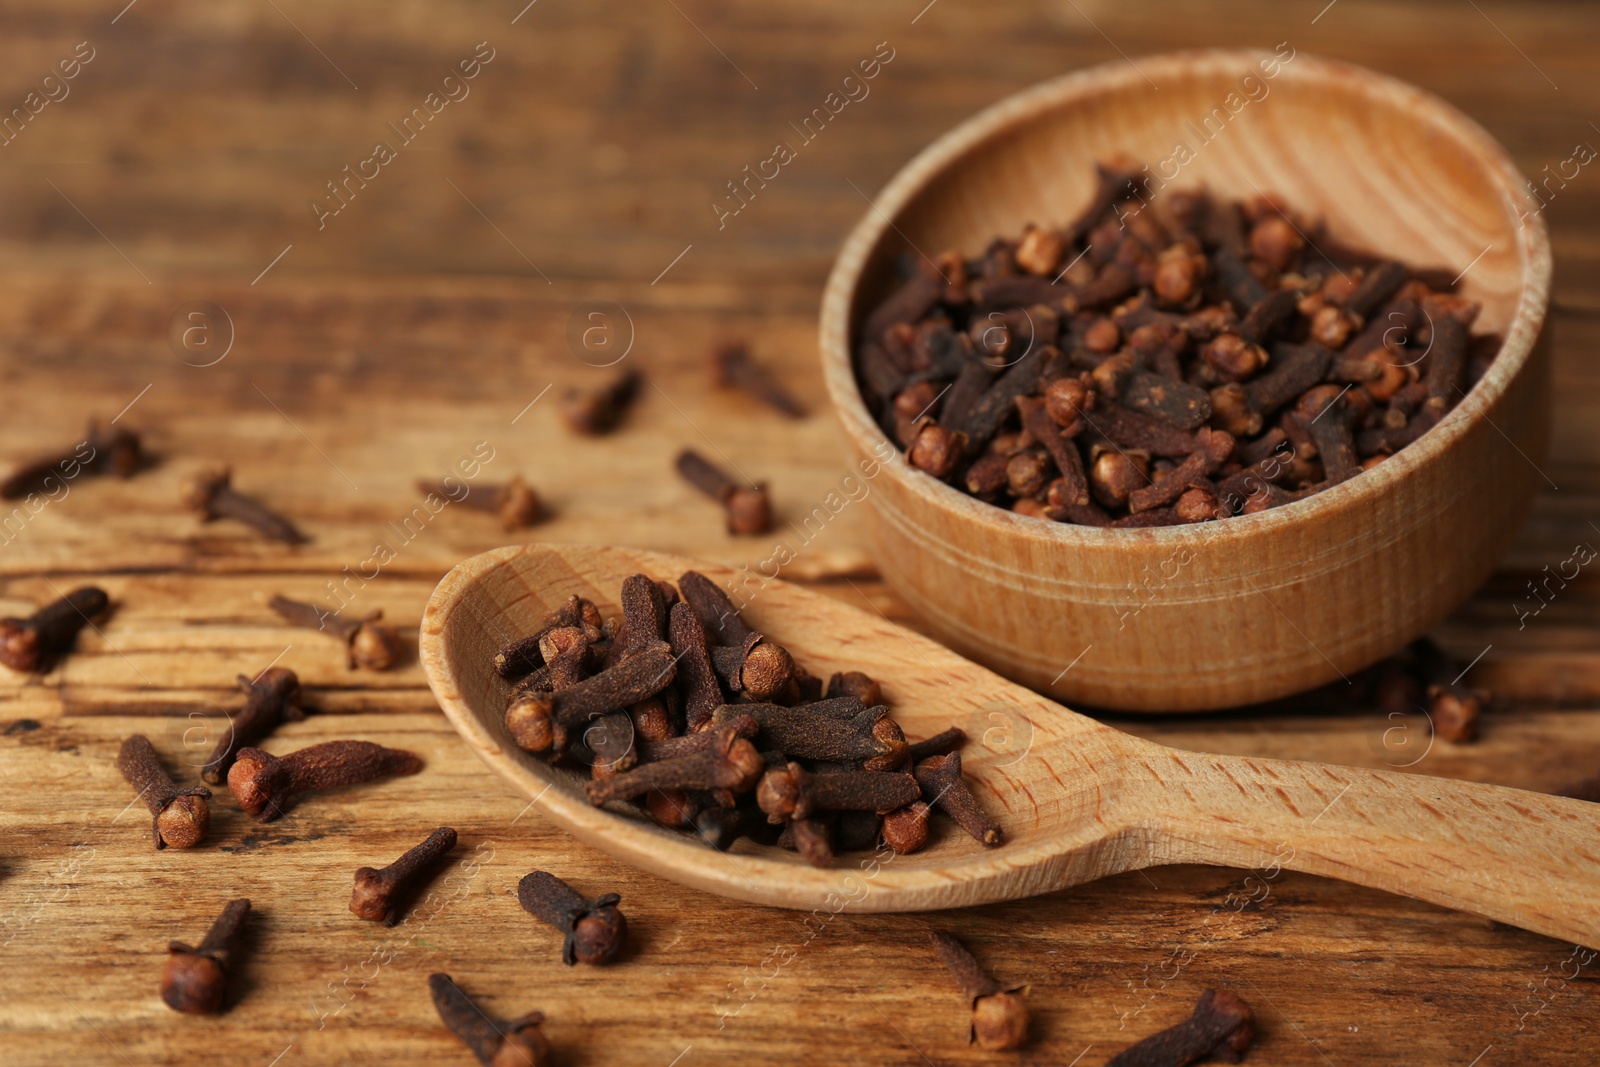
(1064, 92)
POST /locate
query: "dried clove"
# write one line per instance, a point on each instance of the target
(999, 1014)
(728, 761)
(732, 368)
(703, 723)
(1200, 315)
(702, 694)
(522, 656)
(263, 783)
(34, 643)
(943, 743)
(178, 817)
(540, 721)
(595, 931)
(367, 643)
(515, 503)
(379, 894)
(811, 838)
(749, 511)
(1222, 1026)
(102, 451)
(805, 733)
(496, 1042)
(945, 788)
(906, 829)
(856, 684)
(1453, 708)
(599, 410)
(792, 792)
(270, 699)
(211, 495)
(195, 980)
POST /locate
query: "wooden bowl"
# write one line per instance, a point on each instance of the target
(1252, 607)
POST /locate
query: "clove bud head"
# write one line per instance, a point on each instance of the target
(184, 822)
(599, 936)
(768, 667)
(1000, 1021)
(530, 723)
(192, 983)
(519, 505)
(258, 780)
(374, 646)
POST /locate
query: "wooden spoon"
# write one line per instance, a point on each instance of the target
(1078, 800)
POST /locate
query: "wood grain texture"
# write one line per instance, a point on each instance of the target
(410, 328)
(1215, 615)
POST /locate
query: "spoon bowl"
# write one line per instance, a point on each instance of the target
(1078, 800)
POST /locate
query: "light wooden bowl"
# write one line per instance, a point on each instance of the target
(1253, 607)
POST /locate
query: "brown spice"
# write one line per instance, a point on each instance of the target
(1222, 317)
(999, 1014)
(263, 783)
(211, 495)
(595, 931)
(599, 410)
(515, 503)
(195, 980)
(1222, 1026)
(379, 895)
(36, 642)
(178, 817)
(749, 510)
(112, 450)
(368, 643)
(496, 1042)
(944, 788)
(270, 699)
(732, 368)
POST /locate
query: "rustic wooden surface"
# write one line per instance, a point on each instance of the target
(382, 347)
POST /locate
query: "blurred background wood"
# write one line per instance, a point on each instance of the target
(429, 313)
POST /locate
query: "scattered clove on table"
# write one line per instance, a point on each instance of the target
(380, 894)
(195, 980)
(36, 642)
(496, 1042)
(1222, 1027)
(271, 698)
(210, 494)
(594, 930)
(178, 817)
(749, 510)
(515, 503)
(999, 1014)
(368, 643)
(683, 710)
(732, 368)
(599, 410)
(263, 784)
(103, 450)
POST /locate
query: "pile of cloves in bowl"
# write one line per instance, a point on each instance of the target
(714, 728)
(1157, 363)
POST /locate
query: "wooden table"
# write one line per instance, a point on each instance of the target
(434, 311)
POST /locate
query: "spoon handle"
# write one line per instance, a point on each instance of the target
(1522, 858)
